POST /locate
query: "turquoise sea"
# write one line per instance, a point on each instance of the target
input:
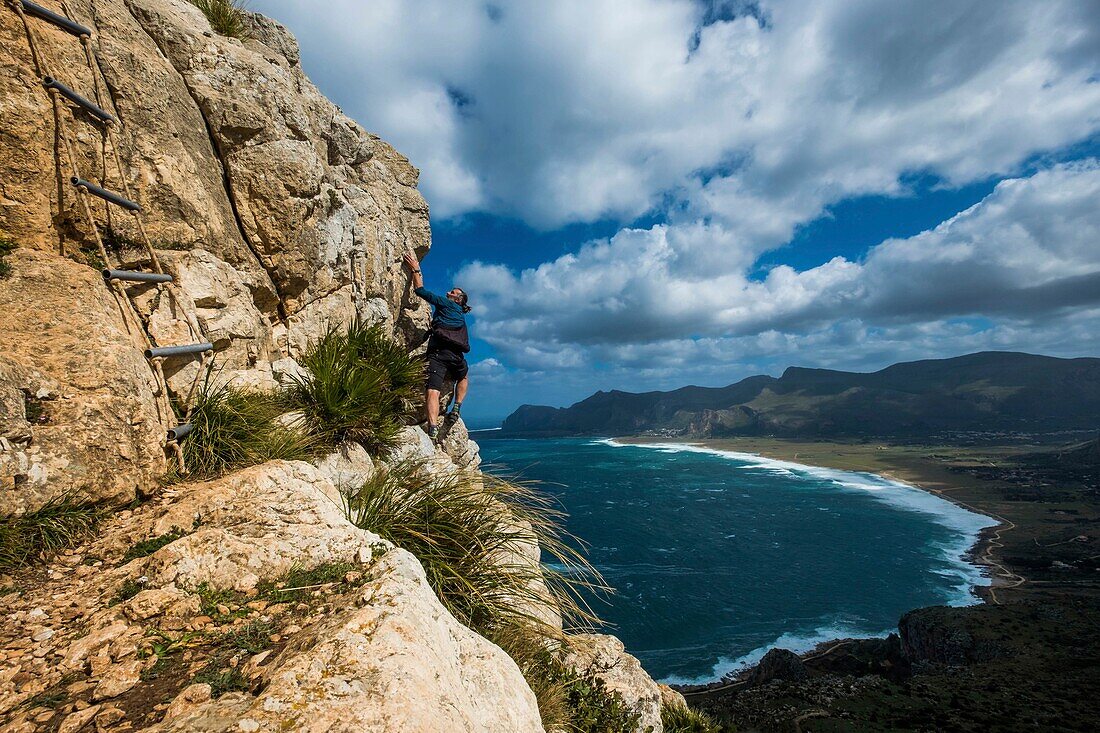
(718, 556)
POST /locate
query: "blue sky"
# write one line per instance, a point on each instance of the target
(641, 195)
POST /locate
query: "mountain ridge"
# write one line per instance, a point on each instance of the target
(988, 391)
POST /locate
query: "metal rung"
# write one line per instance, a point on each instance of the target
(137, 277)
(59, 20)
(177, 350)
(50, 83)
(180, 431)
(104, 194)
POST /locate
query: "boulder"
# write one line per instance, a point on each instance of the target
(778, 664)
(67, 352)
(258, 522)
(605, 657)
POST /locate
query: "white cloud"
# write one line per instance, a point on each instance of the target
(580, 109)
(1026, 254)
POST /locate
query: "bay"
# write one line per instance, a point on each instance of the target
(717, 556)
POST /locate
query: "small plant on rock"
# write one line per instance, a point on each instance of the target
(226, 17)
(682, 719)
(7, 246)
(359, 384)
(236, 428)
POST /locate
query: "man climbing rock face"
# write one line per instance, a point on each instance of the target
(447, 345)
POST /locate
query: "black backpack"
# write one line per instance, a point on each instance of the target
(453, 338)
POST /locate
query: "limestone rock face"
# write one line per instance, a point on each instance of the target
(327, 208)
(396, 661)
(277, 214)
(385, 656)
(66, 353)
(605, 657)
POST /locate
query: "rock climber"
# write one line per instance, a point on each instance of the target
(447, 345)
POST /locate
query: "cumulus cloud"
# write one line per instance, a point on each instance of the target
(761, 113)
(1028, 252)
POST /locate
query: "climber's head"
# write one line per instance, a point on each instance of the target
(458, 295)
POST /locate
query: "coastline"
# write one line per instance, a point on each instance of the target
(918, 473)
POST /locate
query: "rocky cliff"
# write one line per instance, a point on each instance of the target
(277, 216)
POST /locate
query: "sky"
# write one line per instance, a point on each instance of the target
(645, 194)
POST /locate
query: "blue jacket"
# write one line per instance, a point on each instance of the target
(445, 312)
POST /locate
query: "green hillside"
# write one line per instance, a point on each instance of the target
(988, 392)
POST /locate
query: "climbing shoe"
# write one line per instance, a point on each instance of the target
(452, 415)
(433, 432)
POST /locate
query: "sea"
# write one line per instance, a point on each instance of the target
(718, 556)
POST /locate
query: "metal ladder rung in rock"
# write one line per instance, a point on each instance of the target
(166, 351)
(76, 98)
(59, 20)
(104, 194)
(174, 434)
(137, 277)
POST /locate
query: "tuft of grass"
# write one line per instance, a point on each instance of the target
(359, 384)
(226, 17)
(126, 591)
(92, 257)
(60, 523)
(210, 598)
(7, 246)
(144, 548)
(470, 532)
(236, 428)
(682, 719)
(298, 584)
(252, 637)
(221, 679)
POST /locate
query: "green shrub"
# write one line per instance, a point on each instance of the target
(682, 719)
(226, 17)
(61, 523)
(359, 385)
(7, 246)
(145, 548)
(236, 428)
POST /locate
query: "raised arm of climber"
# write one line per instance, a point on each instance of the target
(447, 345)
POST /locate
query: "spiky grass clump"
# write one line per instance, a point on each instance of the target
(359, 385)
(682, 719)
(235, 428)
(61, 523)
(226, 17)
(472, 532)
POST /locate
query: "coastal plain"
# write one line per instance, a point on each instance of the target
(1026, 659)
